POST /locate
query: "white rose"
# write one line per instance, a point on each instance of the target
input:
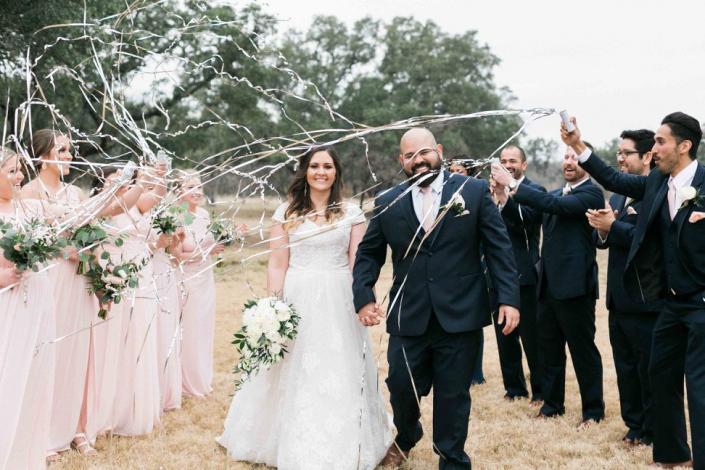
(458, 201)
(254, 332)
(248, 317)
(275, 349)
(283, 315)
(274, 337)
(687, 193)
(270, 326)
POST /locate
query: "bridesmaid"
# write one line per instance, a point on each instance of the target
(168, 284)
(198, 306)
(107, 336)
(76, 308)
(27, 312)
(137, 402)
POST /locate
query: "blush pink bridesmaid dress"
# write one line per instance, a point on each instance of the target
(76, 311)
(168, 283)
(26, 367)
(137, 401)
(198, 308)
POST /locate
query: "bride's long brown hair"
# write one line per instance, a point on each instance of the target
(299, 193)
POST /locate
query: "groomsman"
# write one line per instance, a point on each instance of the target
(566, 308)
(631, 319)
(524, 227)
(672, 212)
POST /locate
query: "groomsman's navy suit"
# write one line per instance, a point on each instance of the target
(439, 305)
(524, 227)
(568, 288)
(632, 320)
(679, 334)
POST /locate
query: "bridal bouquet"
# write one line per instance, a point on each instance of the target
(267, 324)
(110, 282)
(30, 244)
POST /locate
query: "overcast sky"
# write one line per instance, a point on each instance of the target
(613, 64)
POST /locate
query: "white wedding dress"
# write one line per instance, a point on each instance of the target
(321, 407)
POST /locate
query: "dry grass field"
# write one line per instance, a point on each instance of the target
(502, 434)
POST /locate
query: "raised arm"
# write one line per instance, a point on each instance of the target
(633, 186)
(519, 218)
(574, 204)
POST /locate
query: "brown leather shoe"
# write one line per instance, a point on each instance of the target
(395, 456)
(687, 463)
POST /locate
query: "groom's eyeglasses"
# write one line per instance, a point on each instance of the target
(424, 152)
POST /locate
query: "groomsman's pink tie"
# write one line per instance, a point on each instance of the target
(428, 201)
(672, 199)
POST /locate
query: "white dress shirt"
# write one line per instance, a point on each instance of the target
(680, 181)
(417, 198)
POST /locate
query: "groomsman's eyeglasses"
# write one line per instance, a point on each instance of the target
(626, 153)
(424, 152)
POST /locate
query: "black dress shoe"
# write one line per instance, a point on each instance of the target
(645, 439)
(631, 437)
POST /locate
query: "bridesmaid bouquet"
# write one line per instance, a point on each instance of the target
(168, 218)
(224, 232)
(30, 244)
(84, 238)
(110, 282)
(267, 324)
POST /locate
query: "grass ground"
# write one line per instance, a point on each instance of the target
(502, 435)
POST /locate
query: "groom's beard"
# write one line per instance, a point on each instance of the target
(425, 178)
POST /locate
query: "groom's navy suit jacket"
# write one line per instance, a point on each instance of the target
(441, 275)
(685, 269)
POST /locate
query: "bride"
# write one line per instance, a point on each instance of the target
(321, 406)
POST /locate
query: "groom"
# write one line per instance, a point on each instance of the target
(436, 225)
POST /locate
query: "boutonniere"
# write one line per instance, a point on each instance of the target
(690, 196)
(456, 205)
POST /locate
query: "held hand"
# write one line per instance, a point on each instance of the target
(601, 219)
(241, 230)
(71, 253)
(161, 168)
(509, 316)
(127, 173)
(180, 234)
(9, 276)
(573, 139)
(164, 240)
(500, 174)
(218, 248)
(369, 315)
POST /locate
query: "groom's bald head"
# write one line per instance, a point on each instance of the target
(419, 153)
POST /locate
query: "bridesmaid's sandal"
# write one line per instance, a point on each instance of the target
(81, 445)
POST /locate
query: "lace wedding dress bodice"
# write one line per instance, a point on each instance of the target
(320, 248)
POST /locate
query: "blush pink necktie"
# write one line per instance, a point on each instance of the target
(428, 201)
(671, 199)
